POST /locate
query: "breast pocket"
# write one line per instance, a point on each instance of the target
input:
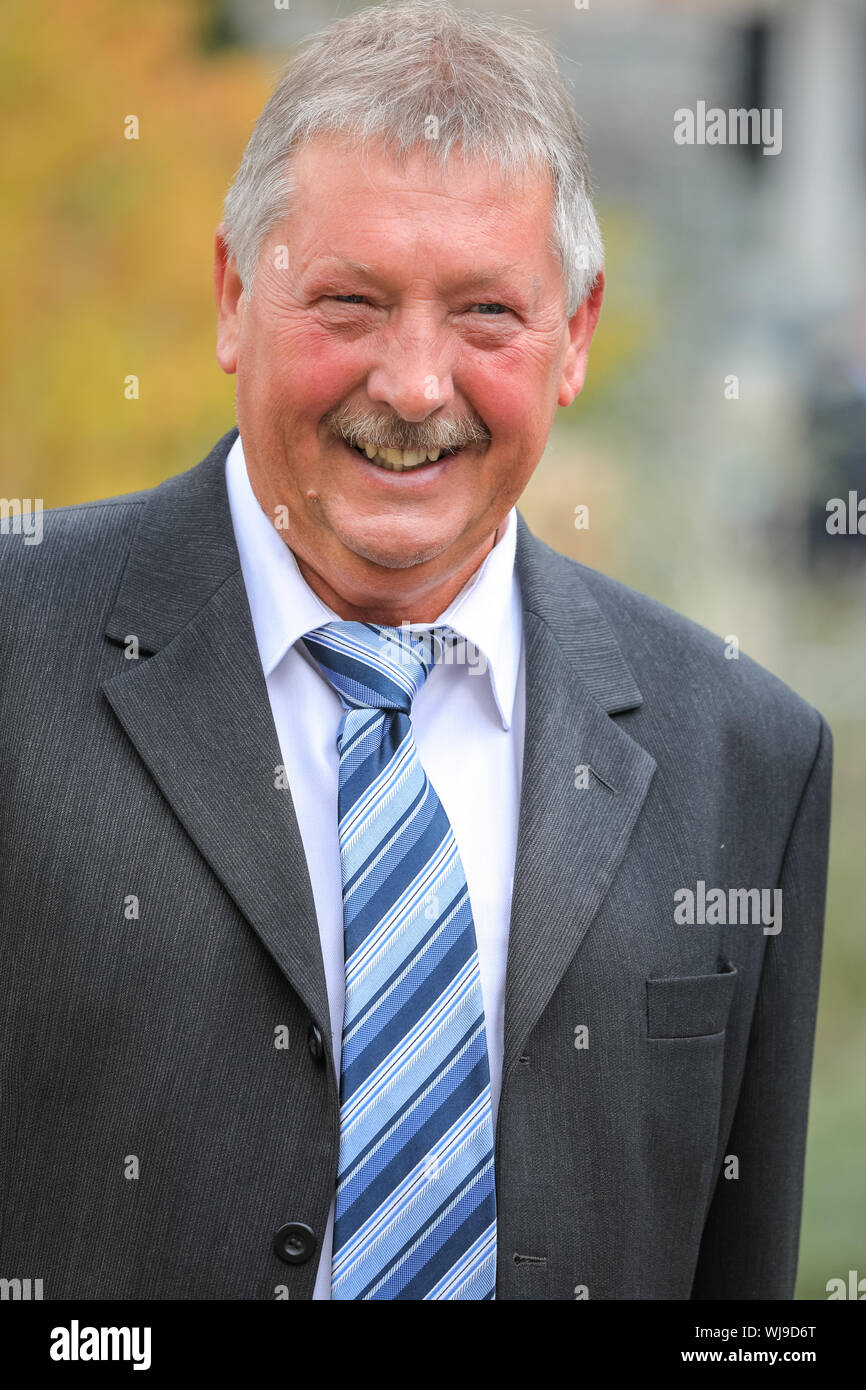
(690, 1006)
(686, 1020)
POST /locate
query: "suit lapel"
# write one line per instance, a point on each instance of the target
(198, 712)
(571, 838)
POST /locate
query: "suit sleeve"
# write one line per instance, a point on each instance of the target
(752, 1232)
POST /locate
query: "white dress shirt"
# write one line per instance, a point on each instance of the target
(469, 729)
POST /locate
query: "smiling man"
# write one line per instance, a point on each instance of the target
(347, 957)
(399, 365)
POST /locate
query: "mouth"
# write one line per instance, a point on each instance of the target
(398, 468)
(401, 460)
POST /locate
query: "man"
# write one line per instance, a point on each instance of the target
(392, 907)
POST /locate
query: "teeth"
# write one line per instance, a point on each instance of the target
(397, 460)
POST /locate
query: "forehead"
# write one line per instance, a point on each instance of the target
(363, 205)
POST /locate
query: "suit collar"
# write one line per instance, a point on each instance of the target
(183, 550)
(555, 593)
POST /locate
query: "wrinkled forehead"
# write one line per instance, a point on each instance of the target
(355, 205)
(377, 162)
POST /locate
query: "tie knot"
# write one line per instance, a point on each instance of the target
(373, 666)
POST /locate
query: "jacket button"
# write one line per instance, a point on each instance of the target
(315, 1044)
(295, 1243)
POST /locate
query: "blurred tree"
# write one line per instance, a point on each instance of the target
(106, 241)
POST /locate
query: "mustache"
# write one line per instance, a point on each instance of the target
(393, 432)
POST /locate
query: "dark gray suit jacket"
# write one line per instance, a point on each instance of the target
(147, 1042)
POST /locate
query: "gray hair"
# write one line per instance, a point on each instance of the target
(397, 72)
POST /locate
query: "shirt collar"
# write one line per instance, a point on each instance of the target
(486, 611)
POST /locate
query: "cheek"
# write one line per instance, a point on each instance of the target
(298, 370)
(511, 396)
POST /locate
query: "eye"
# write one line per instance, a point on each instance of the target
(492, 309)
(350, 298)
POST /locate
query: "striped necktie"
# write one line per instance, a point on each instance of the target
(416, 1205)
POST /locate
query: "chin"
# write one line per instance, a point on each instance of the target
(393, 556)
(390, 548)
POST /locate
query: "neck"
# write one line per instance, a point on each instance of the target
(408, 606)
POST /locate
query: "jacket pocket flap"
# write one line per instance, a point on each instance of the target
(691, 1006)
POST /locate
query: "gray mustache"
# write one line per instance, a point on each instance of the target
(393, 432)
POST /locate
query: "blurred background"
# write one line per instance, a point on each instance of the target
(726, 398)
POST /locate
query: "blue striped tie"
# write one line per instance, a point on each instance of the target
(416, 1204)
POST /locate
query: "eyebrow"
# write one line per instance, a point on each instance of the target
(478, 278)
(358, 267)
(484, 277)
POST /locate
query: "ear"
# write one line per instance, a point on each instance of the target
(230, 301)
(581, 327)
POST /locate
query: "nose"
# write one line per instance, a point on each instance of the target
(413, 374)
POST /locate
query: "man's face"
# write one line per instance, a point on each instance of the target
(408, 307)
